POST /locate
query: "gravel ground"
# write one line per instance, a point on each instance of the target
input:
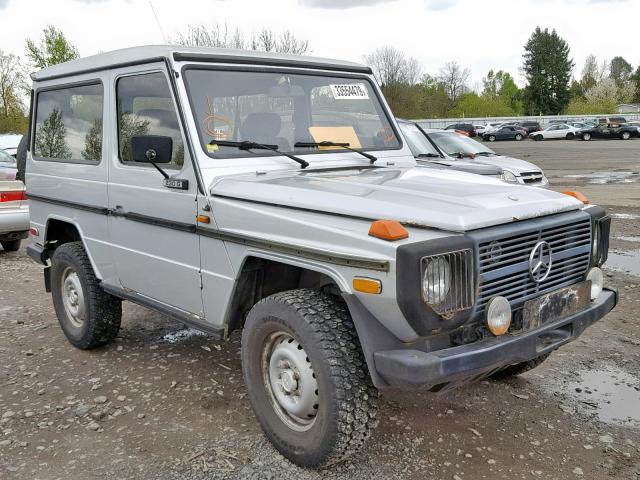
(169, 403)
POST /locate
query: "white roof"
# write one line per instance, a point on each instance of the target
(134, 55)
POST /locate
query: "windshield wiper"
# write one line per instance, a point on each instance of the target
(344, 145)
(428, 155)
(249, 145)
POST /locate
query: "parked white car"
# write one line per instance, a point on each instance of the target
(455, 147)
(14, 215)
(9, 143)
(556, 131)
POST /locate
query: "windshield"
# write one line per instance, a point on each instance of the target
(417, 142)
(285, 109)
(6, 158)
(453, 144)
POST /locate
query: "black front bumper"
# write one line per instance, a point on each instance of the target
(450, 367)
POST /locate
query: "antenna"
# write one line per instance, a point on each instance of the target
(164, 37)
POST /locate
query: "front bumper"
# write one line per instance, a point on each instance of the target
(451, 367)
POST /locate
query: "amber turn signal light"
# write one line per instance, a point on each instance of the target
(367, 285)
(578, 195)
(388, 230)
(203, 219)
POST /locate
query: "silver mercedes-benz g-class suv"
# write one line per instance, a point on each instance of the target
(273, 194)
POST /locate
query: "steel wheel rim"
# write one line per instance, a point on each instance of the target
(73, 297)
(290, 381)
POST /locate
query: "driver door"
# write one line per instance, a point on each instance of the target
(152, 229)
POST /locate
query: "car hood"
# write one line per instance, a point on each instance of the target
(443, 199)
(515, 165)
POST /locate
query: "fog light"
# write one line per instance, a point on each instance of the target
(597, 282)
(498, 315)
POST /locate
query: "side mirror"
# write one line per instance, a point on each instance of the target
(151, 148)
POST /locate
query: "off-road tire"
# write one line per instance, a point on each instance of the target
(519, 368)
(347, 399)
(103, 311)
(11, 245)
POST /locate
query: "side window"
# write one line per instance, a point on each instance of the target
(145, 107)
(69, 124)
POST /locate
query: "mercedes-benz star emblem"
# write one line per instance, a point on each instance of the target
(540, 262)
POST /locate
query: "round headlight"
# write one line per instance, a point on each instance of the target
(509, 177)
(498, 315)
(436, 280)
(597, 282)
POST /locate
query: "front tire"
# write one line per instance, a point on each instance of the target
(11, 245)
(307, 378)
(492, 138)
(538, 138)
(89, 316)
(625, 135)
(570, 136)
(586, 137)
(518, 137)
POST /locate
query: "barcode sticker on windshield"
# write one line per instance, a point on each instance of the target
(351, 91)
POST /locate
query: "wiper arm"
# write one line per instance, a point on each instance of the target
(344, 145)
(428, 155)
(249, 145)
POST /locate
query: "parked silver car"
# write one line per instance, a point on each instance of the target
(14, 215)
(9, 143)
(273, 193)
(454, 148)
(8, 166)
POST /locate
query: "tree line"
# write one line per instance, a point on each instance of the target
(551, 86)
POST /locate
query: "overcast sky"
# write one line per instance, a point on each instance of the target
(479, 34)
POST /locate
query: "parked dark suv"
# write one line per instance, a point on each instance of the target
(468, 128)
(531, 126)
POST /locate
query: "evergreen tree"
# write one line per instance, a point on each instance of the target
(620, 71)
(547, 68)
(50, 137)
(93, 141)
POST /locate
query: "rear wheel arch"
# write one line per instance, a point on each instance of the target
(61, 230)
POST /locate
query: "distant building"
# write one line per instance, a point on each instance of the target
(629, 108)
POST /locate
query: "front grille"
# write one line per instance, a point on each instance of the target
(461, 294)
(504, 261)
(531, 177)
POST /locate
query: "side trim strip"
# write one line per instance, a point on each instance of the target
(66, 203)
(300, 252)
(178, 314)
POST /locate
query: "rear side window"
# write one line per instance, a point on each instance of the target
(145, 107)
(69, 124)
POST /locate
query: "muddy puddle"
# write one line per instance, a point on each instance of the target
(627, 261)
(603, 178)
(609, 394)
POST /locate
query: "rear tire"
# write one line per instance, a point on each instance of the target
(570, 136)
(89, 316)
(492, 138)
(11, 245)
(519, 368)
(586, 137)
(302, 343)
(625, 135)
